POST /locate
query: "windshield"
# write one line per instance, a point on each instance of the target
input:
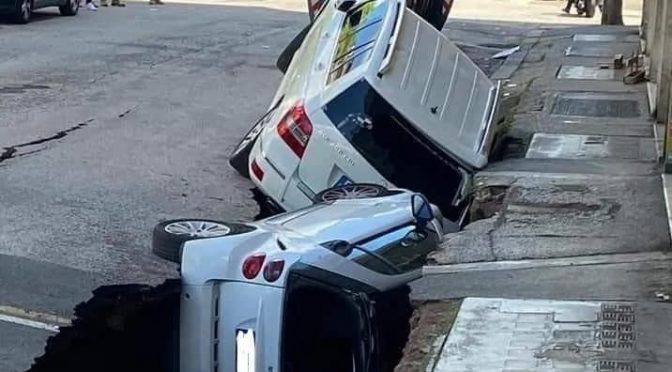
(392, 145)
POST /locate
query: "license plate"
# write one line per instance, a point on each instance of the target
(343, 181)
(245, 351)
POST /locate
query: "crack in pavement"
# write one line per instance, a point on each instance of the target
(11, 151)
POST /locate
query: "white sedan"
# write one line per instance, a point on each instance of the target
(372, 94)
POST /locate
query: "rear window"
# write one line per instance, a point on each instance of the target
(358, 36)
(393, 146)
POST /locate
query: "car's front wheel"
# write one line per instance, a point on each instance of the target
(23, 11)
(70, 8)
(353, 191)
(169, 236)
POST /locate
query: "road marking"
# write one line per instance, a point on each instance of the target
(546, 263)
(33, 319)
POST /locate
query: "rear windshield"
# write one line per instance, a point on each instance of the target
(393, 146)
(357, 38)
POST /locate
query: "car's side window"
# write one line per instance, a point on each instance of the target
(357, 38)
(405, 248)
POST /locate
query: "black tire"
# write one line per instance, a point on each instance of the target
(330, 194)
(71, 8)
(121, 328)
(23, 11)
(590, 8)
(168, 245)
(285, 58)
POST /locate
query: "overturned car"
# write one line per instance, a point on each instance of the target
(372, 93)
(322, 289)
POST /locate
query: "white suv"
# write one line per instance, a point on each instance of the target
(373, 94)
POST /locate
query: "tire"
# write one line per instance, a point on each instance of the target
(71, 8)
(169, 236)
(285, 58)
(240, 156)
(353, 191)
(23, 11)
(121, 328)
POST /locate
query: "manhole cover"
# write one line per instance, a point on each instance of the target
(606, 38)
(601, 108)
(616, 366)
(585, 73)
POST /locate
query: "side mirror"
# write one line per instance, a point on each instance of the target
(422, 210)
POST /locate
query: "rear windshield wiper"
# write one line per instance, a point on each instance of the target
(344, 249)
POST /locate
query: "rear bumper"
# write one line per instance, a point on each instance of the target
(212, 315)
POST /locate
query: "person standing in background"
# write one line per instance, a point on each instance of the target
(114, 3)
(568, 8)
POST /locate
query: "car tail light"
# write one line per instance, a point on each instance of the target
(273, 270)
(295, 129)
(256, 170)
(252, 265)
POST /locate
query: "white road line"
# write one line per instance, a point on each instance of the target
(33, 319)
(609, 259)
(28, 323)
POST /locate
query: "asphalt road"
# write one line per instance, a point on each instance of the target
(132, 113)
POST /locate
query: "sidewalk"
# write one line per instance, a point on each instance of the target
(574, 211)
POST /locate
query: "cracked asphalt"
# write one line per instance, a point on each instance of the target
(111, 121)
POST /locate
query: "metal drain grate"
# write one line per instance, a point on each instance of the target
(616, 366)
(617, 327)
(601, 108)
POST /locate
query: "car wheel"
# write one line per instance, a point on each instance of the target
(239, 158)
(24, 9)
(169, 236)
(70, 8)
(354, 191)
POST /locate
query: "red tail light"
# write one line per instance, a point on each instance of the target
(252, 265)
(257, 171)
(273, 270)
(295, 129)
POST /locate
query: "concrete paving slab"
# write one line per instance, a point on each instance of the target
(601, 50)
(549, 217)
(585, 73)
(632, 281)
(572, 146)
(553, 336)
(534, 168)
(606, 38)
